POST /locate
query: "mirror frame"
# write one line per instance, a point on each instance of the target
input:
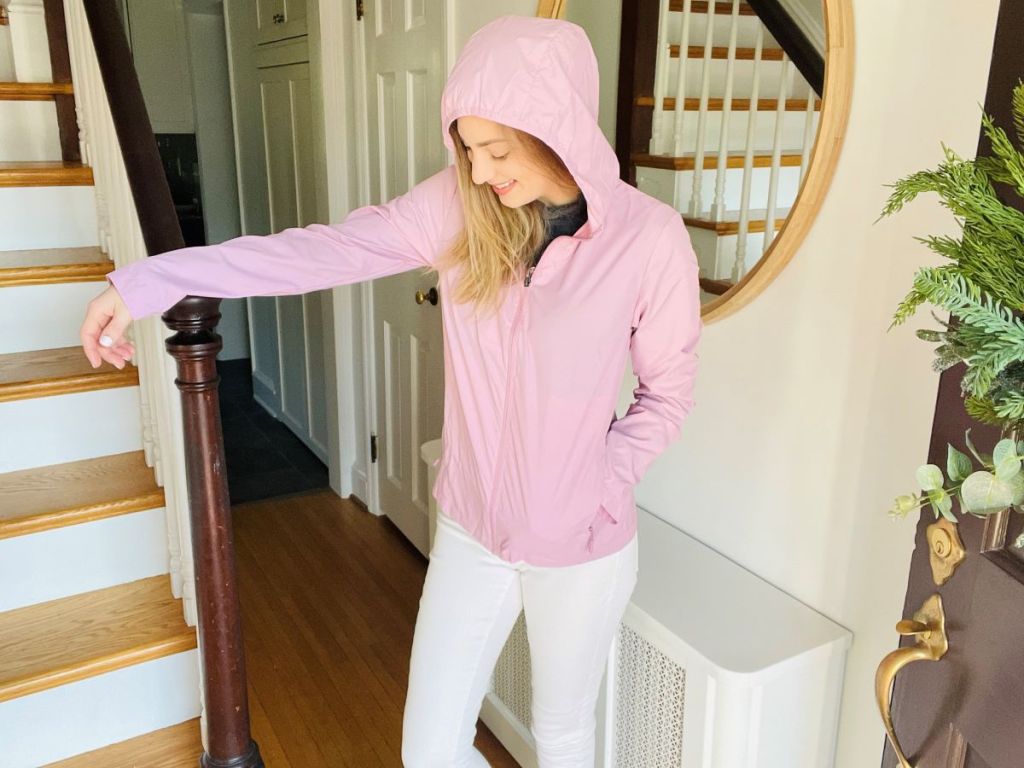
(828, 143)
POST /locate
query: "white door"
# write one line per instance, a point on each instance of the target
(286, 332)
(406, 71)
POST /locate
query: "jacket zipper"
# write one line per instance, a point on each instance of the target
(508, 383)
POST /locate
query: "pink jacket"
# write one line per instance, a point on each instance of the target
(534, 464)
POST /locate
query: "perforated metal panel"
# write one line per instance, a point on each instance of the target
(650, 691)
(511, 680)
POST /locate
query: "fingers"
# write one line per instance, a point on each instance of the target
(102, 331)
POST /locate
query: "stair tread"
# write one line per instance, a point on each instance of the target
(722, 7)
(53, 265)
(34, 91)
(43, 498)
(77, 637)
(692, 104)
(687, 160)
(29, 173)
(742, 53)
(45, 372)
(179, 746)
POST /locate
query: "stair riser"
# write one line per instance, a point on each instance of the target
(28, 131)
(716, 254)
(44, 316)
(47, 217)
(793, 128)
(746, 30)
(743, 80)
(68, 561)
(675, 187)
(62, 428)
(98, 711)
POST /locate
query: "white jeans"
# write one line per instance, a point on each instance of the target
(471, 600)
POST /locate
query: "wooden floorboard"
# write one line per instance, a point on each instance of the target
(329, 597)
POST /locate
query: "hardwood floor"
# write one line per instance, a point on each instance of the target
(329, 596)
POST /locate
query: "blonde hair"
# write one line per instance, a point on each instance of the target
(497, 241)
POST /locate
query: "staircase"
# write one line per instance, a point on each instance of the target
(94, 647)
(732, 159)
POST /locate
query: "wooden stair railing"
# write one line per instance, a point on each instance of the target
(794, 42)
(194, 346)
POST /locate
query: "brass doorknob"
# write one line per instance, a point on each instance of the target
(929, 626)
(430, 296)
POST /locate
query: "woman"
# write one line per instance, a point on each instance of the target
(552, 271)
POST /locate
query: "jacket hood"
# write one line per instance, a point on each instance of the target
(540, 76)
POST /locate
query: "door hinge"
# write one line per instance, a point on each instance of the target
(373, 449)
(359, 10)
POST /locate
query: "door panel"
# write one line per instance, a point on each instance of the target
(287, 331)
(405, 76)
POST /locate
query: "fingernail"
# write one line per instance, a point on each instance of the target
(106, 341)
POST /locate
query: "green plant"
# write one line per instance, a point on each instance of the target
(982, 288)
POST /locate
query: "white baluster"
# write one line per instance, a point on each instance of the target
(680, 110)
(662, 64)
(739, 264)
(718, 206)
(773, 183)
(697, 195)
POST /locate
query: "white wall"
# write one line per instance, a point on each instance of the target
(810, 417)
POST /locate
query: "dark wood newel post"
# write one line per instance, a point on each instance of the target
(195, 346)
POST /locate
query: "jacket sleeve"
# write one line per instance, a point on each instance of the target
(372, 241)
(663, 348)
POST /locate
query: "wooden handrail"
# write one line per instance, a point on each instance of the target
(194, 346)
(794, 42)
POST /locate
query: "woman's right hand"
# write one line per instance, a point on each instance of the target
(102, 334)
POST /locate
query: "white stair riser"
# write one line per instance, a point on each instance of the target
(28, 131)
(47, 217)
(793, 130)
(81, 558)
(716, 254)
(746, 30)
(675, 187)
(743, 79)
(44, 316)
(62, 428)
(89, 714)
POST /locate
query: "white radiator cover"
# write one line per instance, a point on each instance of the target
(713, 667)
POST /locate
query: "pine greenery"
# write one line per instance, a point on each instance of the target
(982, 286)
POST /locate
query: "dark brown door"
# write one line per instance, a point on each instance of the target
(967, 709)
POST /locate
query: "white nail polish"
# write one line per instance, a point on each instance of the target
(106, 341)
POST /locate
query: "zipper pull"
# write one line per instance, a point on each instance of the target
(529, 276)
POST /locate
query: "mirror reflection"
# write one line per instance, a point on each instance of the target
(728, 113)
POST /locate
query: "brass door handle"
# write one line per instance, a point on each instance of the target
(929, 626)
(430, 296)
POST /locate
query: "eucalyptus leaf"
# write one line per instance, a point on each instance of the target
(942, 504)
(983, 493)
(1017, 485)
(904, 504)
(1019, 543)
(958, 465)
(929, 477)
(1005, 449)
(983, 458)
(1008, 468)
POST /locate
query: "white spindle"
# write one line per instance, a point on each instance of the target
(718, 206)
(739, 264)
(697, 195)
(679, 117)
(661, 70)
(773, 183)
(121, 238)
(809, 127)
